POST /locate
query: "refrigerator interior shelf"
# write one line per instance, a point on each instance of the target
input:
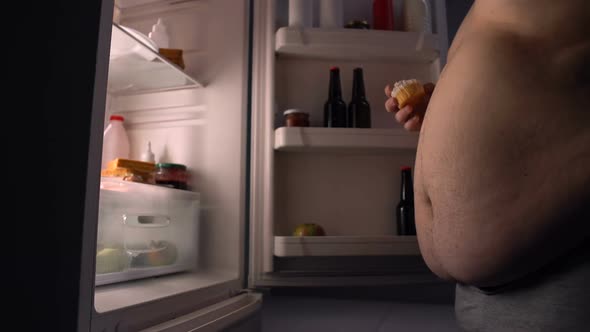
(344, 139)
(139, 273)
(115, 296)
(298, 246)
(355, 44)
(135, 66)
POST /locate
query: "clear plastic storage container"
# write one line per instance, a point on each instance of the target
(145, 230)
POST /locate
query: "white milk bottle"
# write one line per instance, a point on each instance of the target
(115, 142)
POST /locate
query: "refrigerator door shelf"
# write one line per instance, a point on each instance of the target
(322, 246)
(354, 44)
(139, 273)
(344, 139)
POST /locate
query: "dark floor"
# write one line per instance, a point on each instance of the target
(291, 313)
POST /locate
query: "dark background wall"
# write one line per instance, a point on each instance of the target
(456, 11)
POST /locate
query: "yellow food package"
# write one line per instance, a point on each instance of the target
(135, 165)
(128, 174)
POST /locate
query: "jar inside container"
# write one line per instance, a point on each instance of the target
(172, 175)
(296, 118)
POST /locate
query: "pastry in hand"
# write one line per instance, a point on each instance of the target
(408, 92)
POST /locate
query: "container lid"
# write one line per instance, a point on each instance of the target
(293, 111)
(171, 165)
(117, 117)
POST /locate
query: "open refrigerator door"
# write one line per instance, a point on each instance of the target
(168, 241)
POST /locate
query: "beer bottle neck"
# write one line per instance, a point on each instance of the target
(407, 188)
(358, 84)
(335, 91)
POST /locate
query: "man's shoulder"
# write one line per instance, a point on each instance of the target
(555, 21)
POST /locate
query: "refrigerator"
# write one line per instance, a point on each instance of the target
(252, 180)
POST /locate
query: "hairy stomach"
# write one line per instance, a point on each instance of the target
(497, 129)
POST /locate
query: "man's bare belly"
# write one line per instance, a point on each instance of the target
(503, 157)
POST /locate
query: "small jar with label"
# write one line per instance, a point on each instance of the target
(172, 175)
(296, 118)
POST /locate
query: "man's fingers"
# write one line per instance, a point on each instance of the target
(408, 116)
(388, 90)
(404, 114)
(391, 105)
(413, 124)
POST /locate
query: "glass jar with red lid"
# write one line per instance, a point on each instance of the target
(296, 118)
(172, 175)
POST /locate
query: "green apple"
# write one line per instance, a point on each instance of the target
(309, 229)
(110, 260)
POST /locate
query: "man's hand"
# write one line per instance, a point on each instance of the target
(410, 117)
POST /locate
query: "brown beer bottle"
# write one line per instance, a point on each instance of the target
(335, 107)
(359, 110)
(405, 208)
